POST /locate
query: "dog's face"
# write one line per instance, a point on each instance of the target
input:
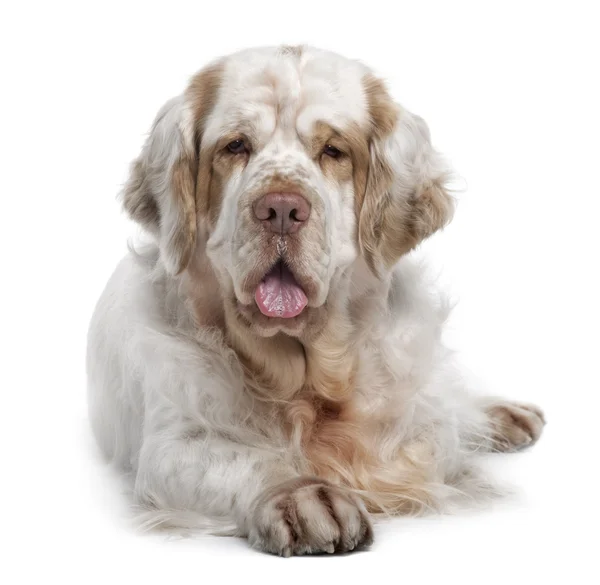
(285, 166)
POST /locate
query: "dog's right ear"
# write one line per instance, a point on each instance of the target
(160, 193)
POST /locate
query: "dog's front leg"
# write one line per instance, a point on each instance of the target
(278, 510)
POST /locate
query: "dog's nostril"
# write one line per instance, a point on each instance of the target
(282, 213)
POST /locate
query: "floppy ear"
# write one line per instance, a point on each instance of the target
(160, 191)
(406, 199)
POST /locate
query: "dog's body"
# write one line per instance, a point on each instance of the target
(273, 365)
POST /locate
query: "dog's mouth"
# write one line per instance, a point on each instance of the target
(279, 294)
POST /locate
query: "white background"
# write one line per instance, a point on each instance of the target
(510, 91)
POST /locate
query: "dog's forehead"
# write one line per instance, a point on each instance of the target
(289, 88)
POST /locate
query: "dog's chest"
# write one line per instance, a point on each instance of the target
(331, 436)
(354, 443)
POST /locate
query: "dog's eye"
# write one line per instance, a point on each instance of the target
(332, 151)
(237, 147)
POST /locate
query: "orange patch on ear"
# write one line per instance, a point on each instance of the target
(202, 94)
(391, 227)
(395, 216)
(372, 200)
(183, 239)
(433, 209)
(383, 112)
(160, 195)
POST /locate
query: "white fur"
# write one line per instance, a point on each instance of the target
(167, 397)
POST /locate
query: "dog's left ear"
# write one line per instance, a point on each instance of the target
(406, 198)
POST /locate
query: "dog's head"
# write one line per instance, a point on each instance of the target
(286, 166)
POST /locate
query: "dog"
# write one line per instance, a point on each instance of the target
(270, 364)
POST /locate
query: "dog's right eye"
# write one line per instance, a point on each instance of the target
(332, 151)
(237, 147)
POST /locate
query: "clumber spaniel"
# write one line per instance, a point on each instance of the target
(271, 366)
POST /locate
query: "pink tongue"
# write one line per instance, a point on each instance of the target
(279, 295)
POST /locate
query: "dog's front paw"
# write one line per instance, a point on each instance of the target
(309, 515)
(515, 425)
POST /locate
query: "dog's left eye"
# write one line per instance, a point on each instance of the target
(237, 147)
(332, 151)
